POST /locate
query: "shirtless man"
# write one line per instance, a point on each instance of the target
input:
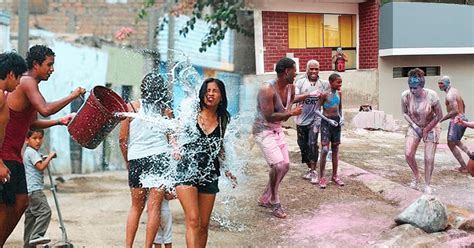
(309, 121)
(332, 120)
(274, 106)
(455, 107)
(24, 103)
(422, 110)
(12, 66)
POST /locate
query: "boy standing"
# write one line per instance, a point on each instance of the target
(331, 129)
(165, 230)
(38, 213)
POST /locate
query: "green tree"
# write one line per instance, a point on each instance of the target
(221, 17)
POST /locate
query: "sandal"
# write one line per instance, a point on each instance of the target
(337, 181)
(278, 211)
(322, 183)
(264, 204)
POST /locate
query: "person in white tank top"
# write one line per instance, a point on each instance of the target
(146, 150)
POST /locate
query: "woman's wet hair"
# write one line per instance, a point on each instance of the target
(154, 93)
(222, 106)
(416, 77)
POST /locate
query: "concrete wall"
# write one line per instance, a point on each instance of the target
(436, 25)
(4, 31)
(125, 66)
(459, 67)
(219, 56)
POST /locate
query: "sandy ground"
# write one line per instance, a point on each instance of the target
(382, 153)
(95, 206)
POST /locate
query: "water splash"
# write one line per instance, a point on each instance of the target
(184, 132)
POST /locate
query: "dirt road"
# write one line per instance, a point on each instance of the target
(95, 206)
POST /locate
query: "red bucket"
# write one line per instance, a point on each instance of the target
(96, 118)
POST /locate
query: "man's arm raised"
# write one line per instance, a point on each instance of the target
(42, 124)
(31, 90)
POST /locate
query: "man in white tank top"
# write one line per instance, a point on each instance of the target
(274, 106)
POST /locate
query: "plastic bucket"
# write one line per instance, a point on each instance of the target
(96, 118)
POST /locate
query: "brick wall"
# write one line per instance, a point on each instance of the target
(87, 17)
(368, 34)
(275, 41)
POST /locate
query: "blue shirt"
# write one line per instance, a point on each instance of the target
(34, 177)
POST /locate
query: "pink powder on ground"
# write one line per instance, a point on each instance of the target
(351, 223)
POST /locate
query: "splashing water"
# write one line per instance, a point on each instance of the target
(184, 131)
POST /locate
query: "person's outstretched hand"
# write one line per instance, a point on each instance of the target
(66, 119)
(79, 91)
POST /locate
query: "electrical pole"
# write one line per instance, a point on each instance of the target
(23, 27)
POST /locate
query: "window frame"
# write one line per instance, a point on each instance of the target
(353, 37)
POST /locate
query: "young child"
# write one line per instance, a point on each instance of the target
(38, 213)
(165, 231)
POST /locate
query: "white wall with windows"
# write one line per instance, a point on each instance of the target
(460, 68)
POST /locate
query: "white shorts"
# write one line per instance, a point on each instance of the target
(165, 231)
(273, 145)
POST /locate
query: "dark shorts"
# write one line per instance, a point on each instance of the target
(16, 185)
(308, 142)
(456, 131)
(211, 187)
(154, 164)
(329, 133)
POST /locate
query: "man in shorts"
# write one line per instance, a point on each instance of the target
(422, 110)
(455, 107)
(309, 121)
(24, 103)
(12, 66)
(274, 102)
